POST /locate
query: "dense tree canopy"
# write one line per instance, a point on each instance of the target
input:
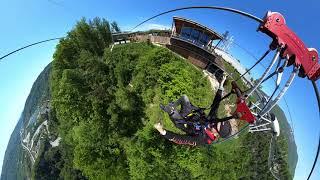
(105, 103)
(114, 27)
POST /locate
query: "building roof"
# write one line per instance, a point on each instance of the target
(178, 21)
(189, 46)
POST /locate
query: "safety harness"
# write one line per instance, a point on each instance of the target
(197, 120)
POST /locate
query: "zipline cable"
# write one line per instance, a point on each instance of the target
(203, 7)
(257, 62)
(200, 7)
(316, 90)
(39, 42)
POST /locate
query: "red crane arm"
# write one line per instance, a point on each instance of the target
(274, 25)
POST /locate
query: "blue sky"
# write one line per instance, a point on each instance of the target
(25, 22)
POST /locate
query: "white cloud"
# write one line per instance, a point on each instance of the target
(148, 26)
(155, 26)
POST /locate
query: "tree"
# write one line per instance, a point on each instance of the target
(106, 103)
(114, 27)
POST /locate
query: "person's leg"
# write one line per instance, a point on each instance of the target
(176, 118)
(179, 122)
(183, 101)
(186, 106)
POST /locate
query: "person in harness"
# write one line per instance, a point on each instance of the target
(199, 128)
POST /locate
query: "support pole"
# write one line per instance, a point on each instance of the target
(279, 73)
(172, 30)
(260, 130)
(283, 91)
(217, 44)
(261, 125)
(276, 56)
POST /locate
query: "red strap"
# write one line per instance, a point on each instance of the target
(242, 111)
(245, 112)
(210, 135)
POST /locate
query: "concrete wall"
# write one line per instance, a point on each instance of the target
(160, 39)
(154, 39)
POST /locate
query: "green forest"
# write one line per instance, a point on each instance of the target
(104, 104)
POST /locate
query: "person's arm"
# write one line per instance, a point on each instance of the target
(185, 139)
(215, 105)
(216, 101)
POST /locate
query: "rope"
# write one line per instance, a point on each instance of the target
(202, 7)
(39, 42)
(316, 90)
(257, 62)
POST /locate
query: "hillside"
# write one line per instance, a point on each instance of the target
(11, 169)
(91, 117)
(17, 163)
(287, 132)
(287, 136)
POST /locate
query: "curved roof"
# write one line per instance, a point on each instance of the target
(178, 21)
(196, 49)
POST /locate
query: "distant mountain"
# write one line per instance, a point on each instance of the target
(17, 161)
(13, 155)
(287, 131)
